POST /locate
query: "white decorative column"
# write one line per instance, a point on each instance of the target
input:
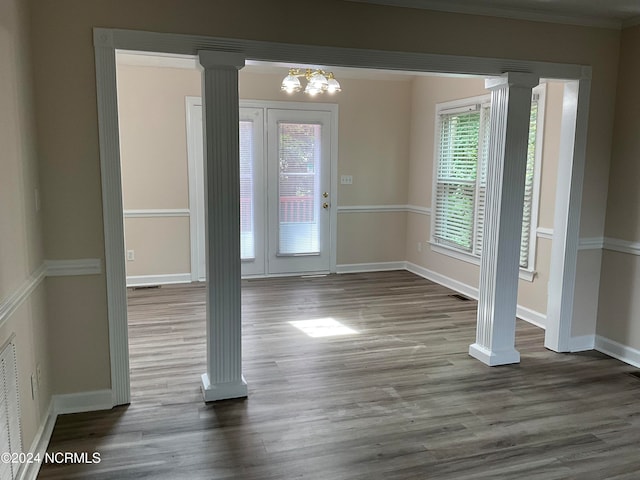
(499, 265)
(223, 378)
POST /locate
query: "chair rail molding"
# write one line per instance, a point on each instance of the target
(156, 212)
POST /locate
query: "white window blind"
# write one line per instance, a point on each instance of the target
(456, 178)
(247, 208)
(10, 429)
(527, 212)
(298, 188)
(461, 179)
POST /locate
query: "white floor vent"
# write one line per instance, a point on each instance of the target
(10, 428)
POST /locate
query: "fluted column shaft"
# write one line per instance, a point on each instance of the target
(499, 265)
(223, 378)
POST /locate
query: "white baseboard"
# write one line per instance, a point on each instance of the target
(531, 316)
(39, 445)
(448, 282)
(60, 405)
(152, 280)
(83, 402)
(582, 343)
(369, 267)
(536, 318)
(617, 350)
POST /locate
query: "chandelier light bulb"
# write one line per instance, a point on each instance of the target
(332, 84)
(291, 83)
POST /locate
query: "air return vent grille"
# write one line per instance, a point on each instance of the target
(10, 434)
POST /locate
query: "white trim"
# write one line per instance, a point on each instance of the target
(541, 92)
(494, 358)
(112, 208)
(222, 391)
(567, 210)
(523, 273)
(591, 243)
(622, 246)
(443, 280)
(91, 401)
(543, 232)
(180, 45)
(9, 305)
(454, 253)
(153, 280)
(66, 268)
(581, 344)
(475, 8)
(617, 350)
(195, 171)
(157, 212)
(531, 316)
(39, 445)
(369, 267)
(371, 208)
(418, 209)
(106, 41)
(384, 208)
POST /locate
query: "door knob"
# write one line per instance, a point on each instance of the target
(325, 205)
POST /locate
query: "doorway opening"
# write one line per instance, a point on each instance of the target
(348, 210)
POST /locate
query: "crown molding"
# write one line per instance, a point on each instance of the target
(511, 13)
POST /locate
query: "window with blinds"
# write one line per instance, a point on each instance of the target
(247, 230)
(461, 178)
(10, 429)
(298, 186)
(456, 176)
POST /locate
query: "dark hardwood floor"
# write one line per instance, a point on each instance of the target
(401, 399)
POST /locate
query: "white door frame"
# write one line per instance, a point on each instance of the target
(569, 192)
(196, 191)
(196, 172)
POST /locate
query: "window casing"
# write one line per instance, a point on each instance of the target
(460, 176)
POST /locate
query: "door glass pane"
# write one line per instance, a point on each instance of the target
(247, 234)
(298, 188)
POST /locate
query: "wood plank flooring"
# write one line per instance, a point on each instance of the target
(401, 399)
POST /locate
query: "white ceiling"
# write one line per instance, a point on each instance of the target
(602, 13)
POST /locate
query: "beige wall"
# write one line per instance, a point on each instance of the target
(161, 245)
(373, 147)
(66, 96)
(21, 250)
(153, 150)
(619, 309)
(429, 91)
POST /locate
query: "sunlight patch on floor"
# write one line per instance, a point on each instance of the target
(323, 327)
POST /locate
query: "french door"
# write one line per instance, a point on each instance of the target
(285, 189)
(299, 194)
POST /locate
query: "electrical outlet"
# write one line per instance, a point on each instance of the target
(37, 199)
(131, 255)
(39, 374)
(419, 247)
(346, 179)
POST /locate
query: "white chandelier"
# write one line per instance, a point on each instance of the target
(318, 81)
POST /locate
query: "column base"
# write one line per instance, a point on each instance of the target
(494, 359)
(223, 391)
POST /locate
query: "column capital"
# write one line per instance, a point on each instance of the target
(512, 79)
(220, 59)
